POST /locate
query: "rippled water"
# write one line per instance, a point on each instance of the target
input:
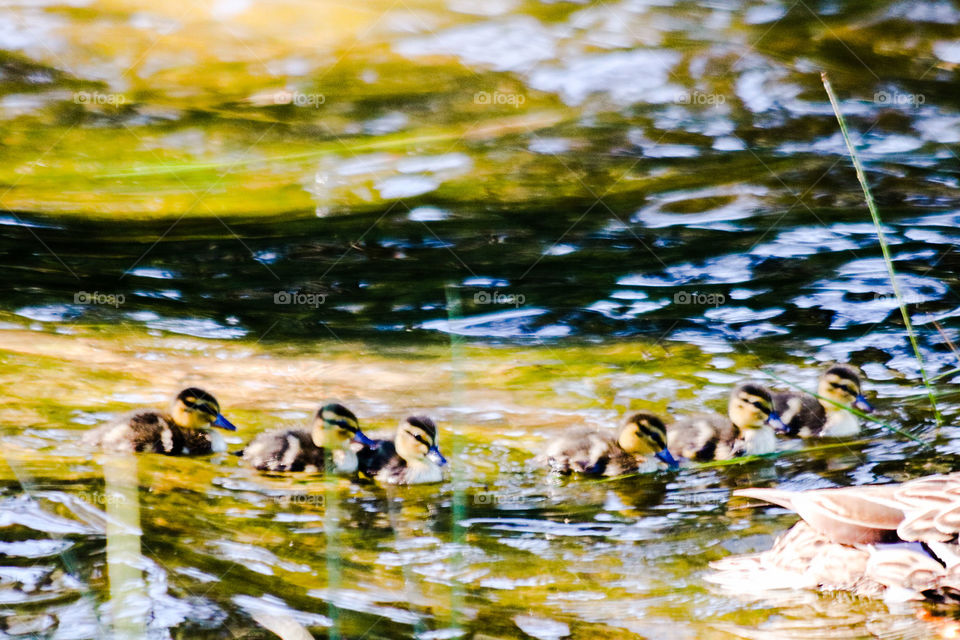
(515, 216)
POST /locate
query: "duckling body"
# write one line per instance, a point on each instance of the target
(635, 449)
(802, 413)
(806, 416)
(871, 540)
(704, 437)
(334, 428)
(412, 457)
(748, 429)
(294, 450)
(183, 430)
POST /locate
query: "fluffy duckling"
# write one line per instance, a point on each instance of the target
(412, 457)
(642, 441)
(334, 428)
(898, 540)
(806, 416)
(181, 431)
(748, 430)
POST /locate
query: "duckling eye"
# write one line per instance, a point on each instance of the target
(756, 403)
(203, 407)
(419, 438)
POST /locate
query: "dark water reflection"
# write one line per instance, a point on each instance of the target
(825, 286)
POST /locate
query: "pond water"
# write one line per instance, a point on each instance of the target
(514, 216)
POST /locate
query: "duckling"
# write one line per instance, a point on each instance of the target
(806, 416)
(894, 540)
(748, 430)
(641, 442)
(334, 427)
(183, 430)
(412, 457)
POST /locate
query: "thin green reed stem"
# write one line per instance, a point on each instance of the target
(331, 529)
(454, 313)
(395, 512)
(871, 205)
(123, 547)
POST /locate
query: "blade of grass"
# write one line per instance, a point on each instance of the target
(945, 374)
(871, 205)
(744, 459)
(778, 454)
(459, 507)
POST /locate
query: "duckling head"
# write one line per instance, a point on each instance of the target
(841, 383)
(416, 441)
(751, 407)
(644, 434)
(336, 426)
(194, 408)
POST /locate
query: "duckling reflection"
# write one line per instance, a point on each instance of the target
(641, 446)
(333, 429)
(181, 431)
(807, 416)
(748, 429)
(412, 457)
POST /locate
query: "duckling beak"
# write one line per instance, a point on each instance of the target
(223, 423)
(365, 440)
(774, 421)
(435, 453)
(667, 457)
(862, 404)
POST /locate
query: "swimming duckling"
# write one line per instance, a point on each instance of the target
(749, 428)
(806, 416)
(895, 539)
(412, 457)
(184, 430)
(641, 442)
(334, 428)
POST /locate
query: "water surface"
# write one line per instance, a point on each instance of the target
(516, 217)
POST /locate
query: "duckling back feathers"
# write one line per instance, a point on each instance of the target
(151, 431)
(286, 450)
(144, 430)
(802, 413)
(704, 437)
